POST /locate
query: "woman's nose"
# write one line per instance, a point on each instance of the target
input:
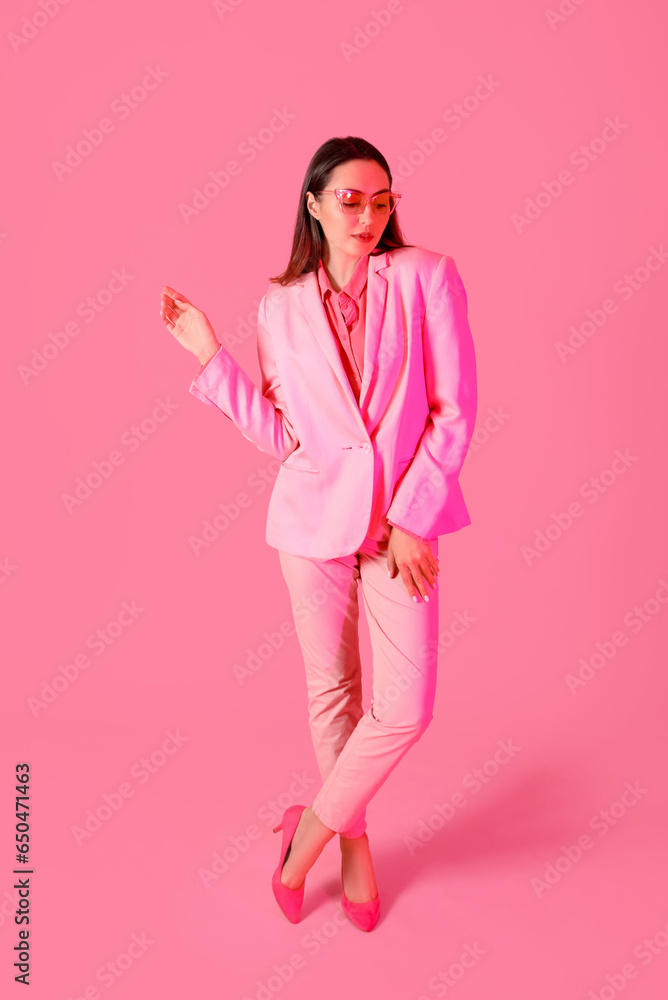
(367, 215)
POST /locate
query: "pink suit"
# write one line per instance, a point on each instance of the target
(348, 465)
(345, 467)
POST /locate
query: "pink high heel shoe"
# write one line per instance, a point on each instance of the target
(363, 915)
(289, 900)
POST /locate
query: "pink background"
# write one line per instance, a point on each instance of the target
(547, 438)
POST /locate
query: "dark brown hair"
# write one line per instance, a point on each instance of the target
(308, 239)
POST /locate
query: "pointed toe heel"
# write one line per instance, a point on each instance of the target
(289, 900)
(363, 915)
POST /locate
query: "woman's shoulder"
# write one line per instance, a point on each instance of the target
(277, 293)
(415, 256)
(420, 261)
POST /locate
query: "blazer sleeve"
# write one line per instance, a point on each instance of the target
(260, 415)
(428, 498)
(407, 530)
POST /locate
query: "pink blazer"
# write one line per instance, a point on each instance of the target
(346, 468)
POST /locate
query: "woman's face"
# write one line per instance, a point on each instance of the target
(339, 228)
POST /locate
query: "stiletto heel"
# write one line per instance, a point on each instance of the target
(363, 915)
(289, 900)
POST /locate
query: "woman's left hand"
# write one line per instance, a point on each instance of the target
(414, 560)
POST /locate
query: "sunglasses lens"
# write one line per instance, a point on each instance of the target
(383, 204)
(351, 202)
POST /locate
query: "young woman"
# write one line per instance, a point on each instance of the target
(368, 400)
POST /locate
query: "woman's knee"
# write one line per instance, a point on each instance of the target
(398, 705)
(413, 722)
(421, 723)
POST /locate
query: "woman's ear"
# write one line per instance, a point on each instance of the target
(311, 203)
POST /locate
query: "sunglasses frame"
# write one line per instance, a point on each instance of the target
(341, 191)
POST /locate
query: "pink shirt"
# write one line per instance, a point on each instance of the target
(346, 312)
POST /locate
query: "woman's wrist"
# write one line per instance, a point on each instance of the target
(205, 356)
(406, 531)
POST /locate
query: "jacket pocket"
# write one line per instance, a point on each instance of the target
(298, 468)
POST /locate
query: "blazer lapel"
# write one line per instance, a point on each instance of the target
(377, 373)
(308, 298)
(381, 362)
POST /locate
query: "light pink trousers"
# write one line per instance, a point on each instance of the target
(356, 751)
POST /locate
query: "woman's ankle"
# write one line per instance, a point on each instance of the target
(308, 842)
(352, 842)
(358, 876)
(314, 830)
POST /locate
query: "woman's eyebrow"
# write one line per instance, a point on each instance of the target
(357, 191)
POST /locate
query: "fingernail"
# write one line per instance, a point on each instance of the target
(415, 598)
(389, 574)
(435, 585)
(426, 597)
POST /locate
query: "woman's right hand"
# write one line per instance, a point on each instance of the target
(188, 324)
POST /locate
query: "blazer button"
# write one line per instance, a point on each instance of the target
(366, 446)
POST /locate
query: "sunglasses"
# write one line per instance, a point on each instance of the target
(354, 202)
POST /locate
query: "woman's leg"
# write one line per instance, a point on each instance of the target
(325, 608)
(403, 638)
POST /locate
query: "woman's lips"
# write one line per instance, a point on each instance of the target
(365, 237)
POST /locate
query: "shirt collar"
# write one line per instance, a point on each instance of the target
(353, 288)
